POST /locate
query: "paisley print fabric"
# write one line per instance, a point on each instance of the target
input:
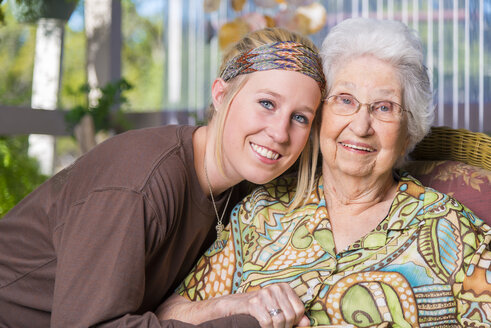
(427, 264)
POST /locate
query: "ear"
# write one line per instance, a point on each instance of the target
(218, 90)
(406, 145)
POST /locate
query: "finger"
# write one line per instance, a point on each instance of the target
(304, 322)
(273, 297)
(262, 316)
(283, 293)
(259, 306)
(288, 311)
(273, 307)
(293, 302)
(278, 318)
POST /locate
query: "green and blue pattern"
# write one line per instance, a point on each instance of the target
(427, 264)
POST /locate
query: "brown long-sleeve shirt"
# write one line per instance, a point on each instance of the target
(106, 240)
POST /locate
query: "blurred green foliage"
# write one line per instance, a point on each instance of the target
(142, 59)
(19, 173)
(142, 64)
(17, 58)
(29, 11)
(107, 113)
(2, 14)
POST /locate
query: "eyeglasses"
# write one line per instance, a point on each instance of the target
(383, 110)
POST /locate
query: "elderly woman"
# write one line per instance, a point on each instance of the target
(369, 246)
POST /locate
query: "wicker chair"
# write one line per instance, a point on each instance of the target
(461, 145)
(456, 162)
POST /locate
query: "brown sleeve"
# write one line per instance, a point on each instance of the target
(150, 320)
(100, 274)
(236, 321)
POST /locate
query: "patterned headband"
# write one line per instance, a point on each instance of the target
(288, 55)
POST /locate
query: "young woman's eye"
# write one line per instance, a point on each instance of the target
(300, 119)
(267, 104)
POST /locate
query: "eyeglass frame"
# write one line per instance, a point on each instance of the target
(370, 107)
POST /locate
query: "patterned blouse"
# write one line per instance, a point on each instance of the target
(427, 264)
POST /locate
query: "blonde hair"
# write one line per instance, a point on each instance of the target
(251, 41)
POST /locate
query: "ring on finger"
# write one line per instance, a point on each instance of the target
(274, 312)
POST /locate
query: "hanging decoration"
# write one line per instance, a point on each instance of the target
(233, 31)
(210, 6)
(313, 17)
(237, 5)
(302, 16)
(268, 3)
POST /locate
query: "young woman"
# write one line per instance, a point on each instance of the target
(106, 240)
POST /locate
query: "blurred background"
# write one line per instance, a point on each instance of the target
(74, 72)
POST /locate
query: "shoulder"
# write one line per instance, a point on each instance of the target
(279, 190)
(270, 200)
(439, 207)
(130, 160)
(144, 142)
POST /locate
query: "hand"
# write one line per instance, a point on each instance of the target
(262, 303)
(257, 304)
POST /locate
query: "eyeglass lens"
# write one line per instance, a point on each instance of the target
(384, 110)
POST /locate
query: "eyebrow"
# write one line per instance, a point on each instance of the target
(378, 92)
(347, 84)
(308, 109)
(386, 92)
(272, 93)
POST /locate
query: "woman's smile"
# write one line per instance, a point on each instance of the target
(357, 147)
(265, 152)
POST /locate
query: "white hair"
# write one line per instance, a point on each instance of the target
(395, 43)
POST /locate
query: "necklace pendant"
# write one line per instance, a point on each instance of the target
(219, 227)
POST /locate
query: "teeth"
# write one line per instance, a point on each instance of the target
(357, 147)
(269, 154)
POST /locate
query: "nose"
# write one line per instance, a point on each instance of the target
(278, 129)
(361, 122)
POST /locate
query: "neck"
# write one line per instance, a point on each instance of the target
(357, 193)
(204, 153)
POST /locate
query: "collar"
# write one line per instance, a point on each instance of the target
(405, 212)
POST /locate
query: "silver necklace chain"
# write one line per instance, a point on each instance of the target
(219, 227)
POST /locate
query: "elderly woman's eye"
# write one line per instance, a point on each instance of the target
(346, 100)
(266, 104)
(384, 107)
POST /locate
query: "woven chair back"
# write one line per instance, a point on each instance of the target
(443, 143)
